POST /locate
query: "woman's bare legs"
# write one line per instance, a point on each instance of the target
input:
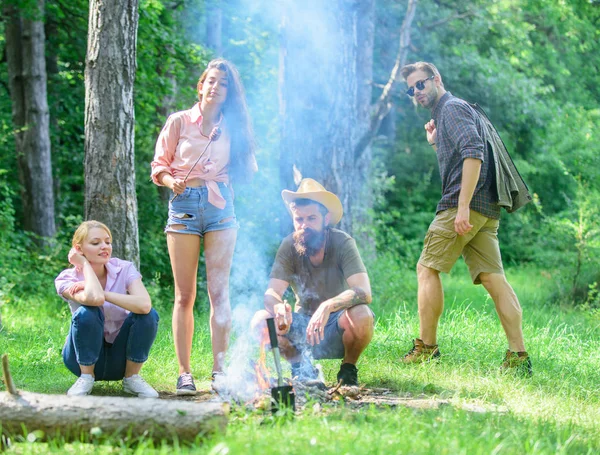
(218, 253)
(184, 250)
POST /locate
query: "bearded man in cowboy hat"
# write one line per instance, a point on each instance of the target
(332, 319)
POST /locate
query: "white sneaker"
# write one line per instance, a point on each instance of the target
(137, 386)
(83, 386)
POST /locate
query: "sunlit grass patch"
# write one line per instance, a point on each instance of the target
(555, 411)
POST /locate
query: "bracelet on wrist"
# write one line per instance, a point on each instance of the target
(431, 143)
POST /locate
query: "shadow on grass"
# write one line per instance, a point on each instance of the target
(410, 387)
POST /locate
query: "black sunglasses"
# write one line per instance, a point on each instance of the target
(419, 85)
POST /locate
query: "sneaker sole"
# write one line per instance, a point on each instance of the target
(184, 392)
(140, 395)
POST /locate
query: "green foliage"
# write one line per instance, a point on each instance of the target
(66, 42)
(533, 66)
(26, 269)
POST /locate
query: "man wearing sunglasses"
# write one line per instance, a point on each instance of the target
(466, 220)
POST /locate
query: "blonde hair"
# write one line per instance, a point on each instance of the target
(83, 230)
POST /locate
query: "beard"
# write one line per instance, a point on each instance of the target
(308, 242)
(430, 99)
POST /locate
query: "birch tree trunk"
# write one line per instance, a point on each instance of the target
(25, 51)
(109, 122)
(325, 66)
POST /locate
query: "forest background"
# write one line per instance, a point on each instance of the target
(532, 65)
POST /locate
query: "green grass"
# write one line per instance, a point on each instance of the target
(555, 411)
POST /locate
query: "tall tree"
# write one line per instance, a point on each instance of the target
(109, 121)
(25, 51)
(214, 22)
(325, 74)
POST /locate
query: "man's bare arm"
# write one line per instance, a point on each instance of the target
(359, 293)
(274, 294)
(470, 177)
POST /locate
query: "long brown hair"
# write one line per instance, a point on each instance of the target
(235, 112)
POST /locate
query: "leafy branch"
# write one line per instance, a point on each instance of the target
(384, 104)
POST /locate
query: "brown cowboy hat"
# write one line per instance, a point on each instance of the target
(313, 190)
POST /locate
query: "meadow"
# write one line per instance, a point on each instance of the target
(485, 412)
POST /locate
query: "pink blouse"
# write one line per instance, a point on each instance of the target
(179, 145)
(120, 275)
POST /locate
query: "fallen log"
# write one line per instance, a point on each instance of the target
(72, 417)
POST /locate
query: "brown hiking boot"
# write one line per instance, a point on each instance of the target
(517, 361)
(421, 352)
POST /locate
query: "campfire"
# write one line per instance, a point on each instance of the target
(262, 385)
(251, 383)
(281, 391)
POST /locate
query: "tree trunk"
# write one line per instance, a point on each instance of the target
(109, 122)
(325, 55)
(28, 90)
(363, 203)
(69, 417)
(214, 21)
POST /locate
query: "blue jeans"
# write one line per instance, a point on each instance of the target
(86, 346)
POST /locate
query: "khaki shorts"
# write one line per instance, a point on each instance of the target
(479, 247)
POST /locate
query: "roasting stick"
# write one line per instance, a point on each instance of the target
(213, 137)
(275, 349)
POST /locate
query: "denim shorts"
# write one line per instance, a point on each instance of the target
(192, 210)
(332, 346)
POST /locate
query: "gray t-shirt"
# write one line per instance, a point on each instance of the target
(311, 284)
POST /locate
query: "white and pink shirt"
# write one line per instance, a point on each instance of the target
(179, 145)
(120, 275)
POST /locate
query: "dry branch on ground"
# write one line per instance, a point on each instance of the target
(71, 416)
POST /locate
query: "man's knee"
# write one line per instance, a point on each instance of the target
(361, 313)
(424, 273)
(493, 281)
(498, 287)
(358, 318)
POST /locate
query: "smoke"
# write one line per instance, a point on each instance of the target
(239, 382)
(252, 41)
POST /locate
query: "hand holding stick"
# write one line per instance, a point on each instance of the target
(212, 137)
(283, 316)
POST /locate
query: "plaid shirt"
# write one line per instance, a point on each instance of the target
(459, 136)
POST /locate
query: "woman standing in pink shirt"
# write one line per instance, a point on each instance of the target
(199, 171)
(113, 324)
